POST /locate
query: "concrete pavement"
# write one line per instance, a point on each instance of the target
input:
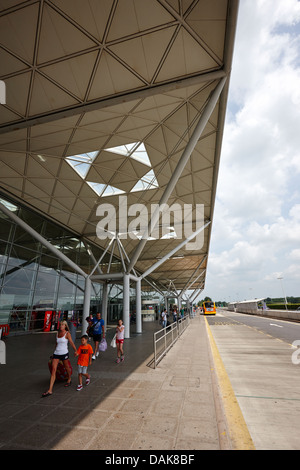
(222, 386)
(127, 406)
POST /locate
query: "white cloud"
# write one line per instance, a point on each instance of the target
(256, 228)
(295, 212)
(295, 256)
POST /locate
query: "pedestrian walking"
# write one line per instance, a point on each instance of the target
(84, 353)
(98, 332)
(164, 318)
(61, 353)
(89, 330)
(174, 315)
(120, 341)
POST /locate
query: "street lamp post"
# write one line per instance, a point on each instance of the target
(281, 278)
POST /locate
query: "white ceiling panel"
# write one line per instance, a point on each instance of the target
(90, 76)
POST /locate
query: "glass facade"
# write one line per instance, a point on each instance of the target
(32, 280)
(36, 286)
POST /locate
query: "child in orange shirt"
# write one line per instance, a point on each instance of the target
(84, 353)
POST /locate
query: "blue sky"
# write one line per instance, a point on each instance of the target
(256, 227)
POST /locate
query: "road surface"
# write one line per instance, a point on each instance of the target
(258, 354)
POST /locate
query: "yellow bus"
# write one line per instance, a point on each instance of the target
(209, 308)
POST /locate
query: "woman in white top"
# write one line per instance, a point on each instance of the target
(119, 341)
(61, 353)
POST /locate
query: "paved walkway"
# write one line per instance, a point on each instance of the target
(127, 406)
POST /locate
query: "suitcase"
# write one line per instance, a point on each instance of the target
(61, 373)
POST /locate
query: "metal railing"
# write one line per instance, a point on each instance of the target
(165, 338)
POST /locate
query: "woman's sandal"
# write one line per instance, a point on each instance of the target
(68, 384)
(46, 394)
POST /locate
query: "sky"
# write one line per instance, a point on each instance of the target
(256, 224)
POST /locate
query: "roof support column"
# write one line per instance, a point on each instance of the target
(189, 309)
(179, 303)
(86, 304)
(190, 286)
(102, 256)
(195, 294)
(126, 305)
(138, 296)
(179, 168)
(185, 287)
(90, 253)
(104, 303)
(172, 252)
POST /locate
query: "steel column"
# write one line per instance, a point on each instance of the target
(138, 295)
(180, 167)
(189, 287)
(102, 256)
(86, 304)
(179, 303)
(104, 303)
(91, 255)
(185, 287)
(172, 252)
(196, 293)
(126, 305)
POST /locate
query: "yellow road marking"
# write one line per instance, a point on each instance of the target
(238, 431)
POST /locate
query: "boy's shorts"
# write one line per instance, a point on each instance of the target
(82, 369)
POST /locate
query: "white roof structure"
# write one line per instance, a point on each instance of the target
(254, 301)
(248, 306)
(103, 97)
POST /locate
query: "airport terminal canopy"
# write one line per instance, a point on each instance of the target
(103, 97)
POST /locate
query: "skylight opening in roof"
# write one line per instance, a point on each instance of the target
(169, 235)
(141, 155)
(112, 191)
(135, 150)
(9, 205)
(123, 149)
(82, 163)
(148, 181)
(97, 187)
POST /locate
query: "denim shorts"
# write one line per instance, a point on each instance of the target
(82, 369)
